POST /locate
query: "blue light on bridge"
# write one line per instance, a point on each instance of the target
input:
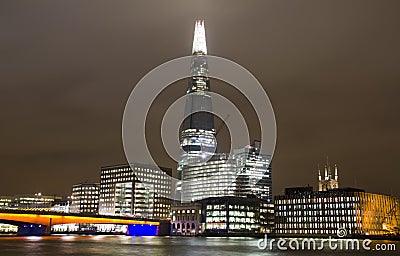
(142, 230)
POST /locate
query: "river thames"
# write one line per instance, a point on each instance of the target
(126, 245)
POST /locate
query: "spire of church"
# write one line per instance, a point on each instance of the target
(336, 172)
(319, 173)
(330, 181)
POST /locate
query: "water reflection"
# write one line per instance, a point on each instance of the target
(125, 245)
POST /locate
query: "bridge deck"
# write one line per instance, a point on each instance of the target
(53, 218)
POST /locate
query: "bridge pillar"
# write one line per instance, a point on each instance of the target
(32, 230)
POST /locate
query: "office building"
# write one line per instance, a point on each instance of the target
(254, 172)
(36, 201)
(138, 190)
(85, 198)
(245, 172)
(61, 206)
(304, 212)
(209, 179)
(243, 177)
(217, 216)
(231, 216)
(6, 202)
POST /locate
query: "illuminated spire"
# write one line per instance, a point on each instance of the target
(336, 172)
(326, 173)
(329, 168)
(199, 39)
(319, 173)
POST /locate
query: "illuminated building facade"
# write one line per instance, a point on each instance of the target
(231, 215)
(303, 212)
(29, 202)
(210, 179)
(245, 175)
(245, 172)
(6, 202)
(253, 170)
(198, 131)
(186, 219)
(220, 216)
(123, 193)
(36, 201)
(85, 198)
(254, 177)
(61, 206)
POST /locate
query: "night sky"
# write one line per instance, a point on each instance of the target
(330, 68)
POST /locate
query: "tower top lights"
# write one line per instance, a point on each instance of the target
(199, 39)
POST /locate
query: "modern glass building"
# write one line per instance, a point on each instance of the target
(303, 212)
(209, 179)
(217, 216)
(198, 132)
(134, 190)
(231, 215)
(245, 172)
(254, 172)
(85, 198)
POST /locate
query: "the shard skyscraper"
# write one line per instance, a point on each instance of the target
(214, 179)
(198, 132)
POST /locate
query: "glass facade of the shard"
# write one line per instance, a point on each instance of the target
(198, 132)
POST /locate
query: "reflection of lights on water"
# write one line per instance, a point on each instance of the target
(124, 237)
(67, 237)
(239, 238)
(34, 238)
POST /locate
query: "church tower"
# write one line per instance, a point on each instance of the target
(330, 180)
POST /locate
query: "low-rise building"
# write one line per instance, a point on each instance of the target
(85, 198)
(6, 202)
(61, 206)
(304, 212)
(186, 219)
(231, 216)
(218, 216)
